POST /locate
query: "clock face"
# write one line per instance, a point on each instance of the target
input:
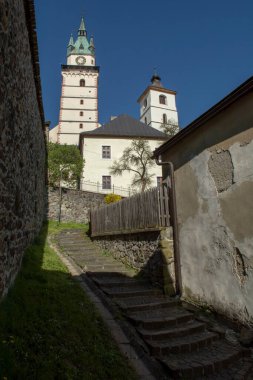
(80, 60)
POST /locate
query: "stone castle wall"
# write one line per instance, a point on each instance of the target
(22, 143)
(76, 204)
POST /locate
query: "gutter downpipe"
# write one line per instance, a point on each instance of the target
(174, 222)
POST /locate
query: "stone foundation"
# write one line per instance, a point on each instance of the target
(150, 253)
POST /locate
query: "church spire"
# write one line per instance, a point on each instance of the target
(92, 47)
(71, 40)
(82, 30)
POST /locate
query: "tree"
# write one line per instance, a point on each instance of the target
(64, 163)
(170, 128)
(137, 159)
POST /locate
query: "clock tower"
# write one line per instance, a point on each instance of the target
(79, 95)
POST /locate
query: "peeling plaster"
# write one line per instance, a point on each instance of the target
(216, 267)
(222, 170)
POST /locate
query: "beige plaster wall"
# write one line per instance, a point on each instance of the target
(214, 189)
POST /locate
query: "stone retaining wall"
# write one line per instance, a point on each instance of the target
(22, 142)
(150, 253)
(76, 204)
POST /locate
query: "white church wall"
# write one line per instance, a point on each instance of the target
(77, 91)
(152, 113)
(75, 102)
(96, 167)
(74, 127)
(74, 115)
(69, 139)
(73, 79)
(53, 134)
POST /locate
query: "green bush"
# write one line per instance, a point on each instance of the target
(111, 198)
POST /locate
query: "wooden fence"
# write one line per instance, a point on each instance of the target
(143, 211)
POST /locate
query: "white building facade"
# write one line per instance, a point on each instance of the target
(106, 144)
(79, 95)
(158, 105)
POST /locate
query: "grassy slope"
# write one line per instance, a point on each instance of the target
(48, 327)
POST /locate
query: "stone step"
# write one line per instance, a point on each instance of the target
(188, 328)
(95, 259)
(208, 361)
(120, 282)
(81, 256)
(102, 267)
(242, 369)
(125, 274)
(132, 304)
(139, 291)
(80, 250)
(159, 318)
(188, 343)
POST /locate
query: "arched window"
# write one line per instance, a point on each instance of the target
(81, 126)
(162, 99)
(81, 113)
(165, 118)
(145, 103)
(82, 83)
(146, 121)
(81, 101)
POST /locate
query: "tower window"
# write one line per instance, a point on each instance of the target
(81, 113)
(106, 151)
(106, 182)
(165, 118)
(162, 99)
(81, 126)
(145, 103)
(82, 83)
(146, 122)
(81, 101)
(92, 61)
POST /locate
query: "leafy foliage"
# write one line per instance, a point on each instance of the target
(170, 128)
(64, 162)
(137, 159)
(111, 198)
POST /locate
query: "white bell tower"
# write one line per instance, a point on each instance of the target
(158, 105)
(79, 96)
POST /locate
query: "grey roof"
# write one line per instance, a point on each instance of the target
(126, 126)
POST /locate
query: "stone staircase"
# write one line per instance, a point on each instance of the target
(185, 347)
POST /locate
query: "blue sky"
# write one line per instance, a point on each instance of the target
(201, 49)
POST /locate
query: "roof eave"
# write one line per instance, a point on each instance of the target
(85, 134)
(154, 88)
(236, 94)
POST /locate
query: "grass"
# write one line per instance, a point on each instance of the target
(48, 327)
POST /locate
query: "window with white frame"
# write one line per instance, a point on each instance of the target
(106, 151)
(106, 182)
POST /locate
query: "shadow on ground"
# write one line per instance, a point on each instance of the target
(48, 327)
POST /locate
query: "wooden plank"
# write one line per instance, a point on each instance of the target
(141, 211)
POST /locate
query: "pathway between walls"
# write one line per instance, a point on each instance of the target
(171, 341)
